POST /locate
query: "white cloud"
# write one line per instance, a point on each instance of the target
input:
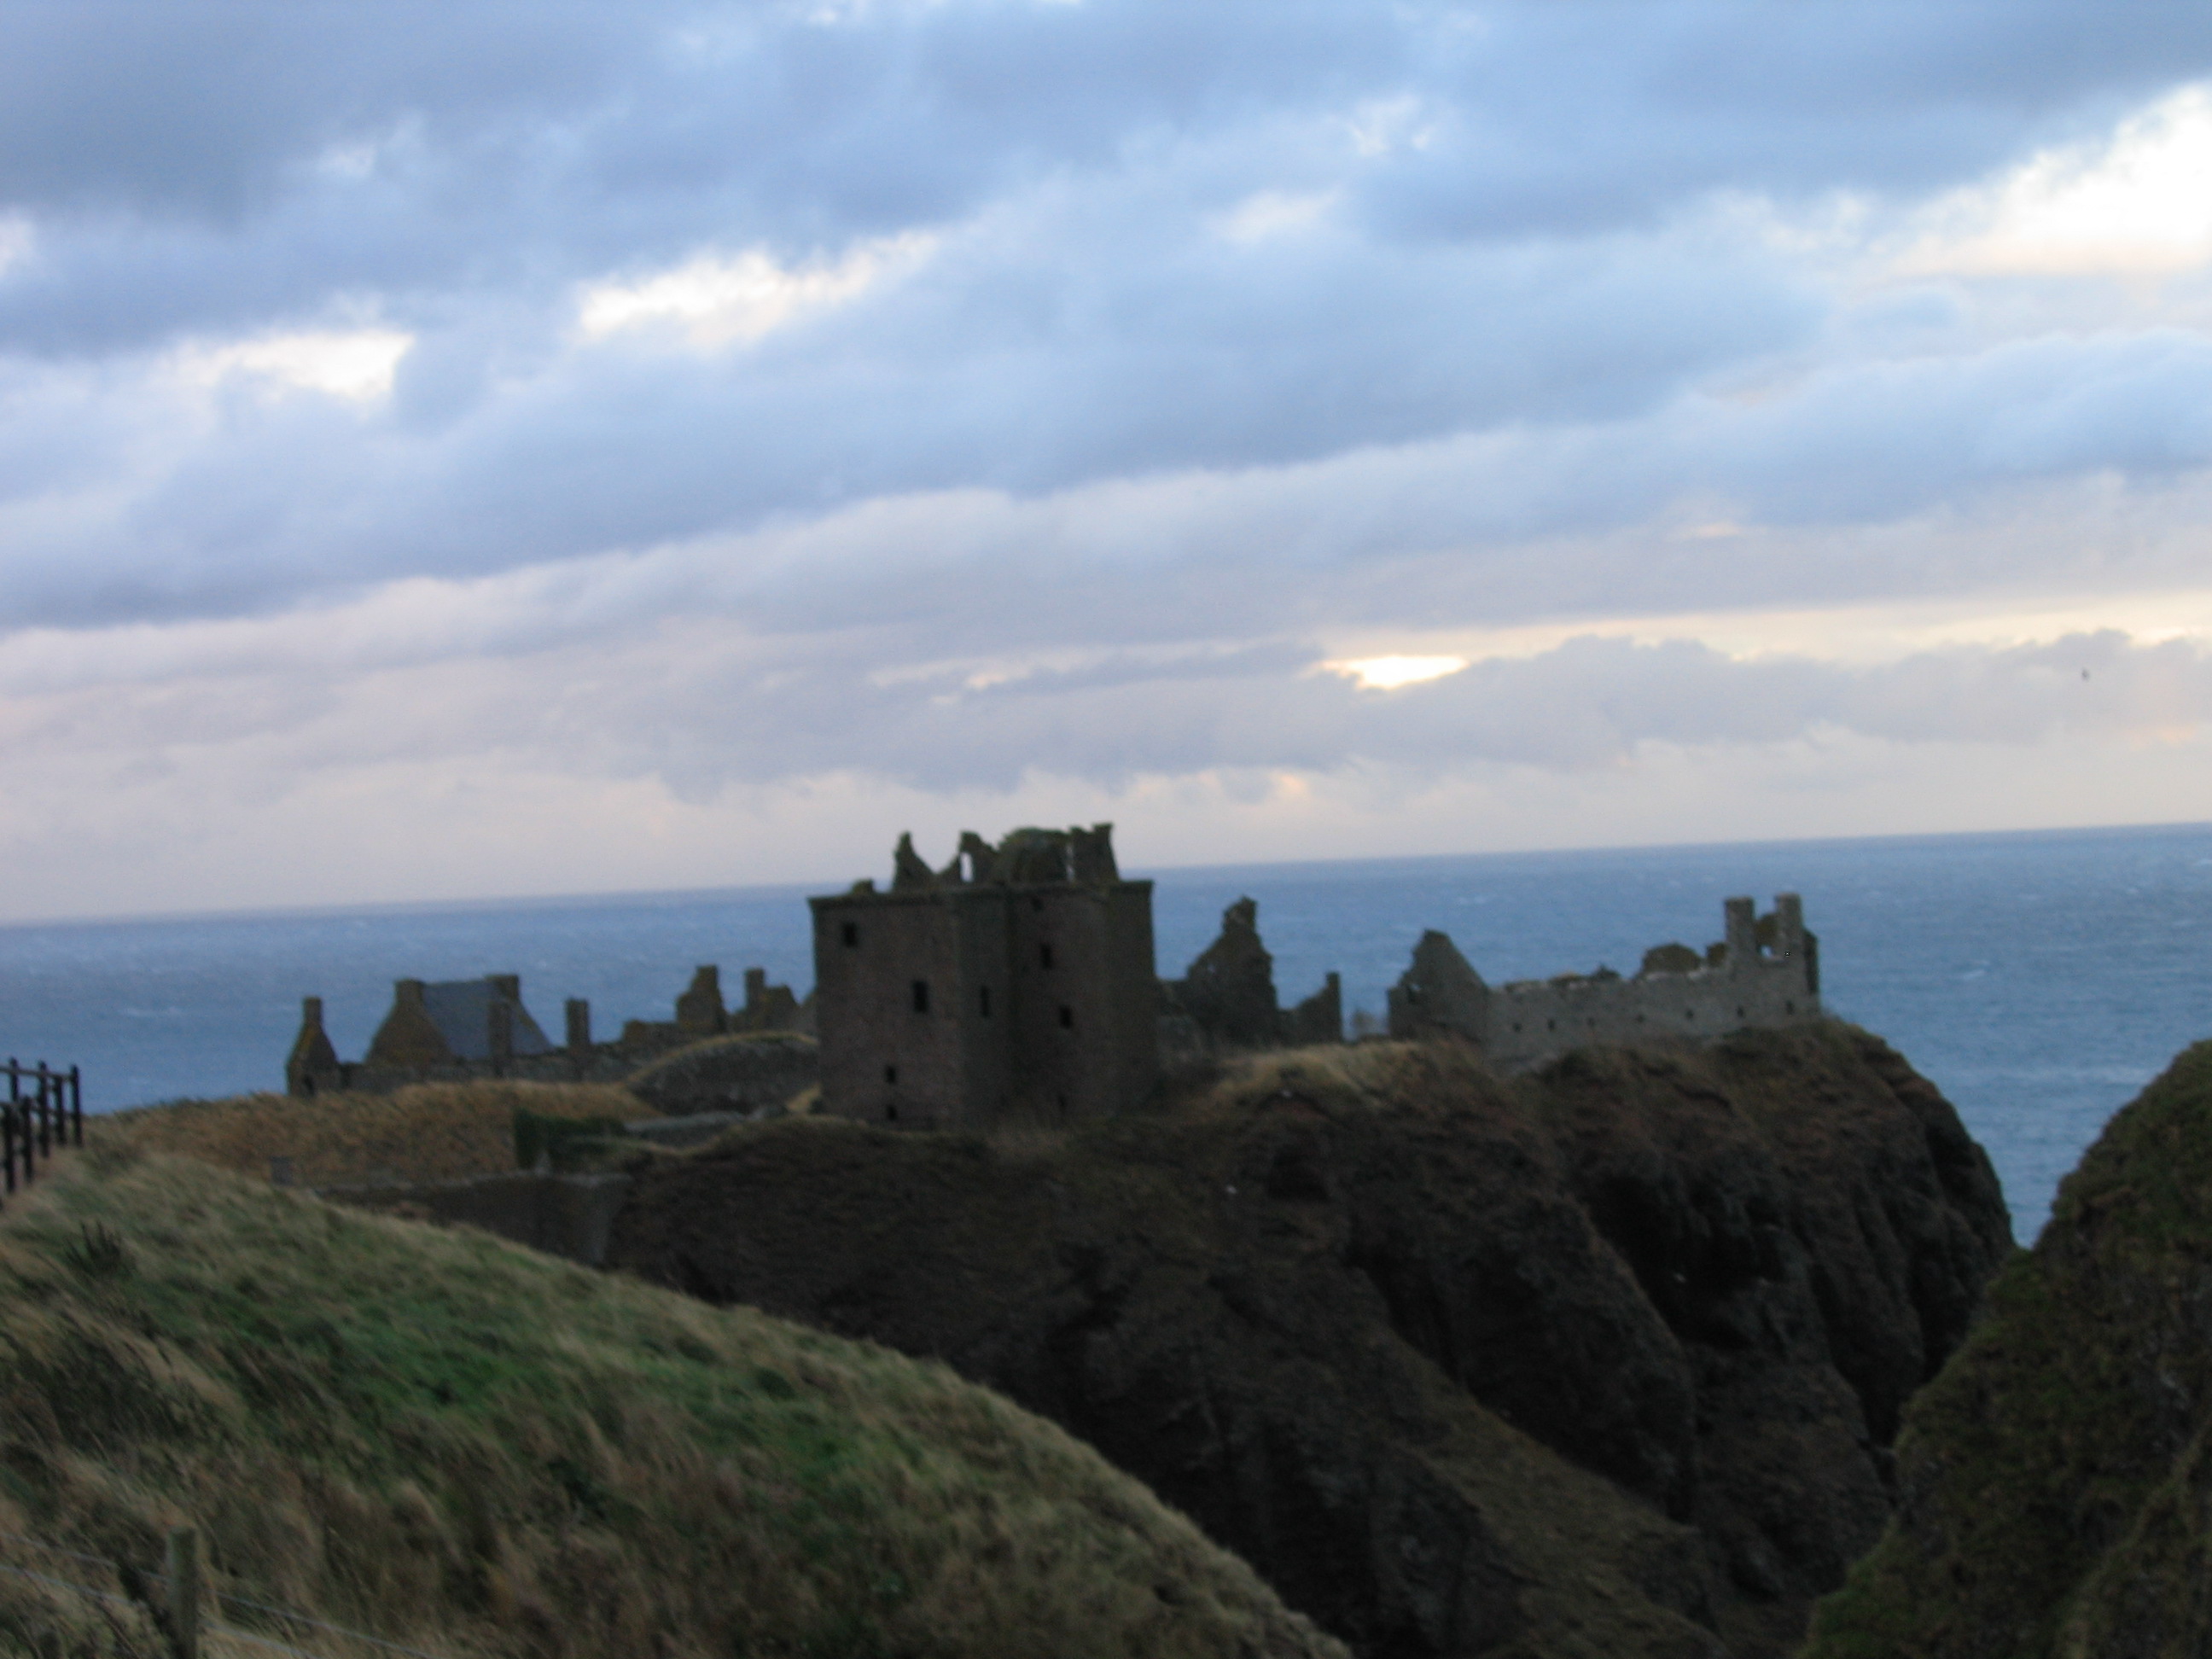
(1381, 126)
(17, 239)
(717, 300)
(2138, 203)
(353, 364)
(1270, 213)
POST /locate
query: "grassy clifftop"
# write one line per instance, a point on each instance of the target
(2057, 1478)
(1600, 1362)
(459, 1445)
(430, 1132)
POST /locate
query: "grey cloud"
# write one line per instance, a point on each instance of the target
(1415, 420)
(170, 153)
(1588, 704)
(705, 720)
(306, 499)
(1562, 118)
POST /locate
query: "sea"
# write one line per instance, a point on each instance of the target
(2039, 979)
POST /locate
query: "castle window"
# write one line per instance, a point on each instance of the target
(890, 1113)
(1067, 1018)
(921, 996)
(1739, 1012)
(852, 934)
(1036, 904)
(1044, 954)
(890, 1074)
(1789, 1007)
(983, 1000)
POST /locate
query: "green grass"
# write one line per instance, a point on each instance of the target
(458, 1444)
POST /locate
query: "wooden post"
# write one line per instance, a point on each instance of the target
(76, 1108)
(45, 1111)
(184, 1598)
(7, 1143)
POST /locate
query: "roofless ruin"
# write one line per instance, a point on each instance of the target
(1019, 981)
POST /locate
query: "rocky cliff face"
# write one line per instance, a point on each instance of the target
(1603, 1361)
(2055, 1482)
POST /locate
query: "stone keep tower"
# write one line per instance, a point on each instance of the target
(1018, 981)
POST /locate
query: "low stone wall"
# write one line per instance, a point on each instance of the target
(563, 1215)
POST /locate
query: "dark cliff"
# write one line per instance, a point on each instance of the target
(1602, 1361)
(2056, 1482)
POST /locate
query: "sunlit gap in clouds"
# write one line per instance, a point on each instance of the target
(1387, 673)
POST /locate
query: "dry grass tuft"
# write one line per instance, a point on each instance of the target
(430, 1132)
(457, 1445)
(1347, 1076)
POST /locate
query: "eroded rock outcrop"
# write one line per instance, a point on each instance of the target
(1600, 1361)
(2056, 1482)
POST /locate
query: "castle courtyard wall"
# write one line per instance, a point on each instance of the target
(1524, 1024)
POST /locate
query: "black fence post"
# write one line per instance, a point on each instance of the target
(45, 1111)
(7, 1142)
(76, 1108)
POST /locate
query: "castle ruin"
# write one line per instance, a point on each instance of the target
(453, 1030)
(1766, 972)
(1226, 997)
(1018, 981)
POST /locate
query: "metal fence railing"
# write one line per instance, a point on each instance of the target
(44, 1109)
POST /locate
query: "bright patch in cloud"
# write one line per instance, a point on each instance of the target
(1382, 125)
(356, 364)
(1272, 213)
(15, 239)
(718, 300)
(2142, 204)
(1387, 673)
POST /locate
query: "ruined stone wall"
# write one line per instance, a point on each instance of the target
(409, 1047)
(1226, 999)
(1522, 1025)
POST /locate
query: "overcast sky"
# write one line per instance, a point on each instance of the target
(453, 450)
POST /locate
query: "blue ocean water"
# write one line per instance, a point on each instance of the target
(2039, 979)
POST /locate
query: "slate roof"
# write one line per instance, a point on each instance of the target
(461, 1010)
